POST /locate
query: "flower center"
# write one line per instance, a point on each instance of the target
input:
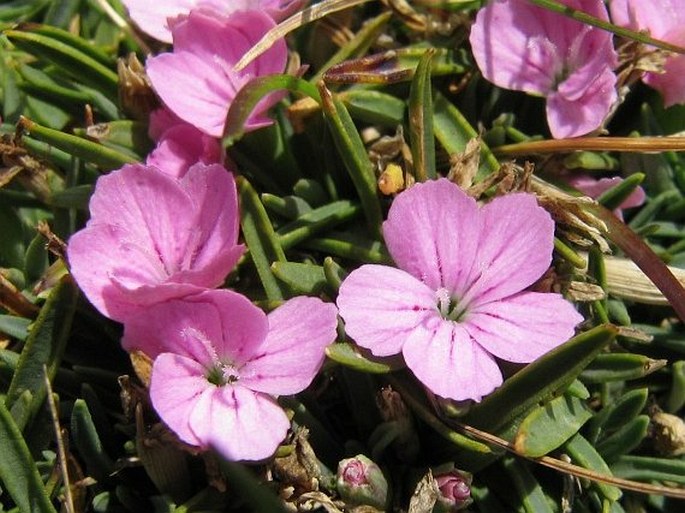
(451, 308)
(222, 373)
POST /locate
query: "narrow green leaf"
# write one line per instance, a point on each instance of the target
(318, 220)
(87, 441)
(18, 472)
(290, 207)
(44, 345)
(625, 439)
(89, 151)
(36, 259)
(124, 135)
(548, 426)
(613, 198)
(354, 156)
(615, 415)
(70, 59)
(73, 197)
(619, 367)
(676, 397)
(334, 273)
(645, 468)
(17, 327)
(252, 93)
(348, 355)
(527, 487)
(307, 279)
(584, 455)
(453, 132)
(260, 238)
(374, 107)
(370, 252)
(421, 138)
(539, 380)
(249, 487)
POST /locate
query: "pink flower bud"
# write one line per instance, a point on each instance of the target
(361, 482)
(455, 491)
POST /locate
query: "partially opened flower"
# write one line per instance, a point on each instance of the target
(219, 362)
(595, 188)
(520, 46)
(198, 82)
(152, 236)
(665, 20)
(457, 300)
(153, 17)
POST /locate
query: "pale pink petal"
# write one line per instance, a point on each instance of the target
(146, 203)
(293, 351)
(595, 188)
(240, 424)
(176, 385)
(657, 16)
(198, 92)
(515, 250)
(432, 232)
(382, 306)
(212, 326)
(571, 113)
(198, 83)
(155, 18)
(180, 147)
(214, 195)
(449, 363)
(670, 83)
(161, 120)
(523, 327)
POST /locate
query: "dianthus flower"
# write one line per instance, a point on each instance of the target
(219, 361)
(520, 46)
(197, 81)
(665, 20)
(153, 17)
(457, 300)
(152, 236)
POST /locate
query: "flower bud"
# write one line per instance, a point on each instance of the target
(361, 482)
(455, 491)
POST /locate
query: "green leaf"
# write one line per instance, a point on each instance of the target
(548, 426)
(353, 153)
(645, 468)
(453, 132)
(290, 207)
(87, 441)
(625, 439)
(421, 137)
(305, 279)
(613, 198)
(36, 259)
(527, 487)
(318, 220)
(584, 455)
(260, 238)
(616, 414)
(619, 367)
(18, 472)
(249, 487)
(348, 355)
(73, 197)
(70, 56)
(540, 380)
(252, 93)
(14, 326)
(374, 107)
(45, 345)
(90, 151)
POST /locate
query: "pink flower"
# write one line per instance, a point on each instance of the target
(595, 188)
(457, 300)
(197, 81)
(152, 237)
(526, 48)
(153, 17)
(219, 362)
(665, 20)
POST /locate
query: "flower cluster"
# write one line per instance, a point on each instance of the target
(163, 236)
